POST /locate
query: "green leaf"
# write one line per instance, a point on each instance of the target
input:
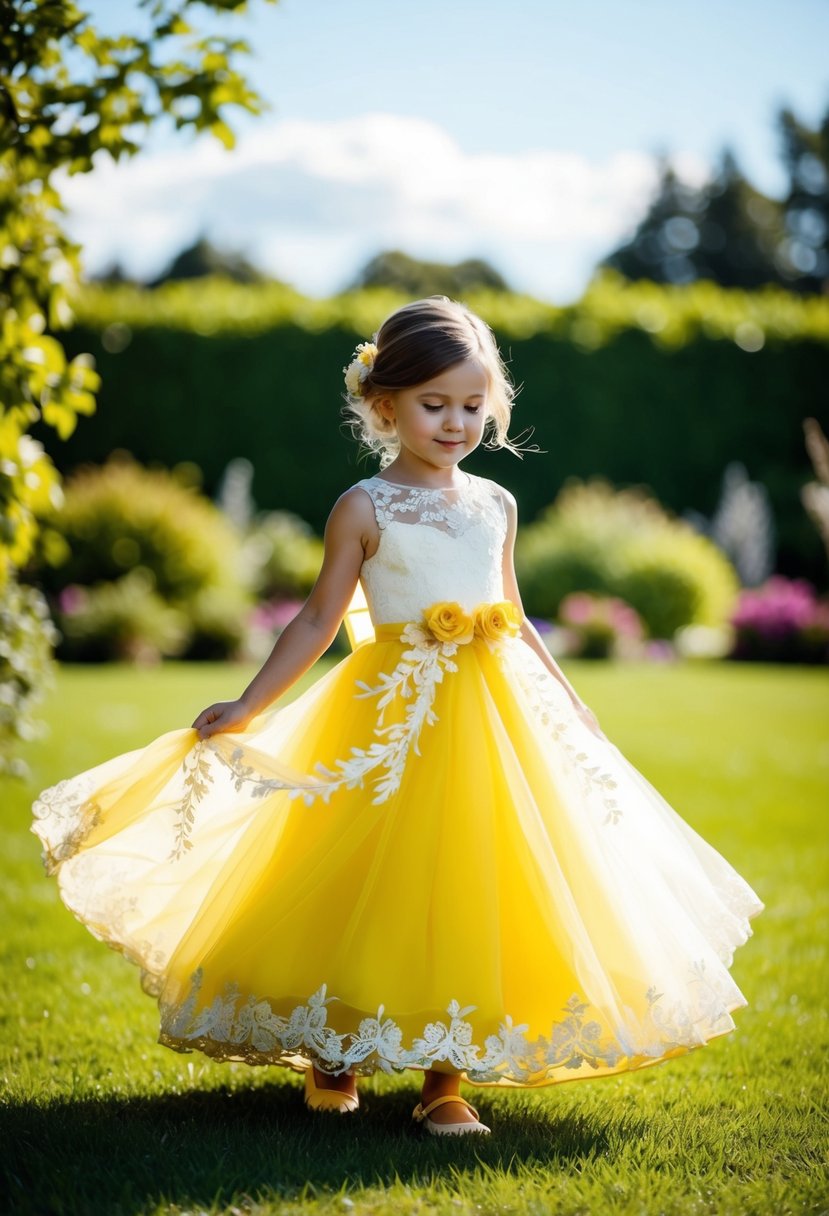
(223, 133)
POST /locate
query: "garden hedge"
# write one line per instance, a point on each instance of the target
(641, 384)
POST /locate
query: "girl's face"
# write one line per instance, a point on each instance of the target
(440, 421)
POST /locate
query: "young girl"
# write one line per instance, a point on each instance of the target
(433, 859)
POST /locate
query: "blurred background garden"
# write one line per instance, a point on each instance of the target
(171, 358)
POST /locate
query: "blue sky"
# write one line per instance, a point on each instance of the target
(525, 132)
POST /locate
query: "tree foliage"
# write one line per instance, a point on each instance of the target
(729, 232)
(725, 231)
(202, 259)
(68, 95)
(415, 277)
(804, 252)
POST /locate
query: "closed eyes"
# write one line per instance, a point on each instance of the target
(470, 409)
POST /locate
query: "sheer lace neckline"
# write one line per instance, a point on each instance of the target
(402, 485)
(450, 509)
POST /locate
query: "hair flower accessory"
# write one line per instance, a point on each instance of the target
(359, 368)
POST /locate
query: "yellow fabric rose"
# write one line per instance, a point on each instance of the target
(447, 622)
(496, 621)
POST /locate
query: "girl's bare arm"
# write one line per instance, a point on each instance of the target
(350, 527)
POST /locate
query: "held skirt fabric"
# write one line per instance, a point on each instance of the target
(426, 860)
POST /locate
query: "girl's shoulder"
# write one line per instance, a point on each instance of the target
(495, 490)
(354, 506)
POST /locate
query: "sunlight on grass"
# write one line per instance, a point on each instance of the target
(97, 1117)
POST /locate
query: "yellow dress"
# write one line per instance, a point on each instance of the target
(426, 860)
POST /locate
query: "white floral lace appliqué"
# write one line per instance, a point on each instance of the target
(415, 679)
(230, 1027)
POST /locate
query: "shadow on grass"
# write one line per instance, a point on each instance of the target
(222, 1146)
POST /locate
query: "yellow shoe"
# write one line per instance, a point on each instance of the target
(327, 1099)
(421, 1115)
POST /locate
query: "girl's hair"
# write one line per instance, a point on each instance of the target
(416, 343)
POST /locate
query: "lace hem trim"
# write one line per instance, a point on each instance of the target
(247, 1029)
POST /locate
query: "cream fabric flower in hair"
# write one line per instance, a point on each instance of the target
(359, 368)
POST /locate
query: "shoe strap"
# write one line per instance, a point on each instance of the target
(425, 1110)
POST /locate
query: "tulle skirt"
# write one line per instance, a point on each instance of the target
(427, 860)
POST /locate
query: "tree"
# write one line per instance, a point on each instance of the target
(68, 95)
(418, 278)
(669, 230)
(725, 231)
(203, 258)
(803, 253)
(739, 230)
(732, 233)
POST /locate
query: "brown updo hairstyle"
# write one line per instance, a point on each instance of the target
(416, 343)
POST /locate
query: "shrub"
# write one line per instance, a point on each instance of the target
(551, 567)
(286, 553)
(219, 618)
(675, 576)
(153, 568)
(124, 620)
(623, 543)
(26, 639)
(666, 596)
(782, 621)
(120, 516)
(602, 626)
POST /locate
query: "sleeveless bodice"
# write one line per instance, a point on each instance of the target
(435, 545)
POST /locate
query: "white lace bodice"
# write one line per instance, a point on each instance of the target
(434, 545)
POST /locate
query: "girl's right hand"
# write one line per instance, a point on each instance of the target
(223, 716)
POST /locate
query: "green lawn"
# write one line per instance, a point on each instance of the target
(97, 1118)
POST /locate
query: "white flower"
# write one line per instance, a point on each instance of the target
(359, 368)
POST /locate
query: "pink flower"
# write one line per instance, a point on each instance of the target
(603, 624)
(577, 608)
(625, 620)
(660, 650)
(781, 621)
(72, 599)
(781, 606)
(274, 614)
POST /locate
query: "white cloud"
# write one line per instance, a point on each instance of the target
(311, 201)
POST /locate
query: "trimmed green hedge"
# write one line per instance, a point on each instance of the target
(642, 384)
(671, 315)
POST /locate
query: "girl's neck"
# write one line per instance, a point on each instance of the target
(416, 479)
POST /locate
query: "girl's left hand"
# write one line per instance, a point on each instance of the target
(223, 716)
(590, 720)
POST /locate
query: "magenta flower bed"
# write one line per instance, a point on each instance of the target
(782, 621)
